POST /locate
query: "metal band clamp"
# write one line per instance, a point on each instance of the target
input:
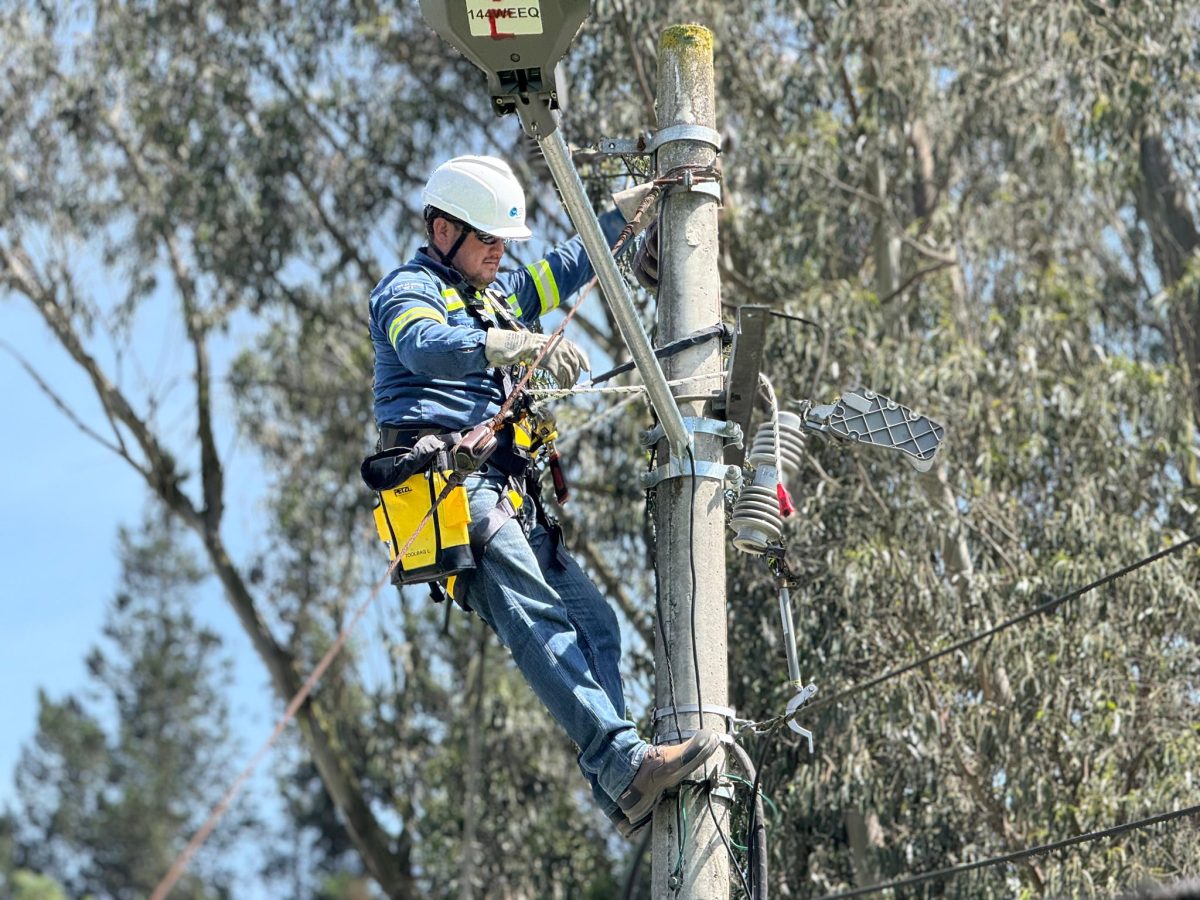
(711, 188)
(724, 712)
(677, 737)
(731, 431)
(701, 133)
(677, 468)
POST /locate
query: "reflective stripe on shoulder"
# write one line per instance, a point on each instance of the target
(407, 317)
(547, 287)
(453, 300)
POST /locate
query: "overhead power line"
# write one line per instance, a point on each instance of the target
(1019, 855)
(1048, 606)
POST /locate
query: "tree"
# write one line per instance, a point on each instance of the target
(105, 809)
(986, 210)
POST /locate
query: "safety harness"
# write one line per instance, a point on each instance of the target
(414, 465)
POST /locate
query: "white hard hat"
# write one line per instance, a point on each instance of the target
(481, 191)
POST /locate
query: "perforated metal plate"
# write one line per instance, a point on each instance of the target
(868, 418)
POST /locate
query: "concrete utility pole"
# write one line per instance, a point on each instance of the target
(689, 298)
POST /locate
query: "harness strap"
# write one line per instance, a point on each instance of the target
(483, 531)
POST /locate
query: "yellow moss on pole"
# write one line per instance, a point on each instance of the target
(687, 39)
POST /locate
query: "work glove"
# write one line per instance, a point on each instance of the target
(503, 347)
(630, 199)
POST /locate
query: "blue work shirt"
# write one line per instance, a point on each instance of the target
(430, 368)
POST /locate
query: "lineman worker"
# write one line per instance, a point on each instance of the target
(447, 327)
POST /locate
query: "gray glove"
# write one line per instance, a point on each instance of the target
(503, 347)
(628, 201)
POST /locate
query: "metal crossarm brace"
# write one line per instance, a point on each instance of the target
(745, 362)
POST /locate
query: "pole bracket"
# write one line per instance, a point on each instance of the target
(624, 146)
(673, 133)
(677, 468)
(640, 146)
(725, 712)
(731, 431)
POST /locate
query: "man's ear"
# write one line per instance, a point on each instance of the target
(443, 231)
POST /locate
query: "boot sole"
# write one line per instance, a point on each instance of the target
(630, 830)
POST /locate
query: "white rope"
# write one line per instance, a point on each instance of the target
(632, 394)
(595, 422)
(559, 393)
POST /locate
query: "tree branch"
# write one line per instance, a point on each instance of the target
(62, 407)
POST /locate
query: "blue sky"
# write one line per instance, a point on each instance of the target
(64, 498)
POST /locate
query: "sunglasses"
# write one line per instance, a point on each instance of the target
(482, 236)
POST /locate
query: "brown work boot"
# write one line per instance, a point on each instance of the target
(663, 767)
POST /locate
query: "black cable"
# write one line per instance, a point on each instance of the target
(689, 340)
(769, 745)
(756, 834)
(819, 363)
(1048, 606)
(662, 635)
(755, 789)
(795, 318)
(1020, 854)
(696, 668)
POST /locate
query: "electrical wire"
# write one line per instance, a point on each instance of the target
(1048, 606)
(662, 636)
(756, 828)
(768, 728)
(696, 668)
(819, 364)
(1018, 855)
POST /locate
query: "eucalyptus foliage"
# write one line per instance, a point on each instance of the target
(987, 208)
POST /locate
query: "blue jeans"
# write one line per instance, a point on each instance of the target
(563, 637)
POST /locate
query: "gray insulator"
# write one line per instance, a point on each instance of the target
(756, 521)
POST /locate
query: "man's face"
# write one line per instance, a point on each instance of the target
(478, 262)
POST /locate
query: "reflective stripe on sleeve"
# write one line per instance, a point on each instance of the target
(547, 287)
(406, 318)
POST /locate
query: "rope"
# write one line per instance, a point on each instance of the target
(495, 423)
(770, 725)
(1020, 854)
(181, 862)
(560, 393)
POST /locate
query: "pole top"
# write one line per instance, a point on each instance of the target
(685, 38)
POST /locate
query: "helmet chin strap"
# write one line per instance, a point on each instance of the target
(448, 257)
